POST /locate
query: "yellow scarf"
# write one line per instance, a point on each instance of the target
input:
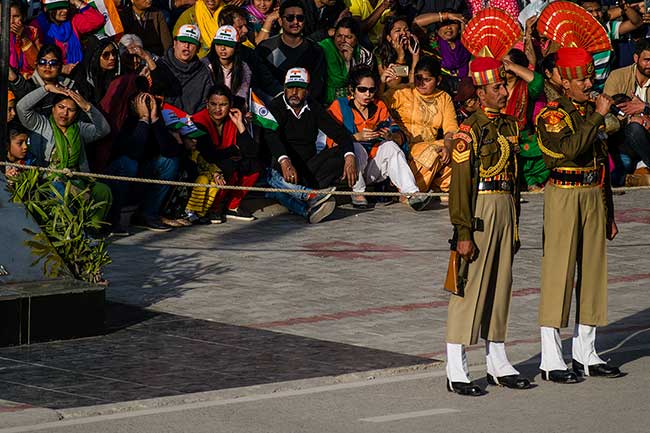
(208, 25)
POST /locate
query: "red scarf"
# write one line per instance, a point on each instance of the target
(518, 103)
(228, 134)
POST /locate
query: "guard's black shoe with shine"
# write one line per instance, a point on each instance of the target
(602, 370)
(560, 376)
(463, 388)
(513, 381)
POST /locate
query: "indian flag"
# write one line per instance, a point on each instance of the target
(113, 24)
(261, 115)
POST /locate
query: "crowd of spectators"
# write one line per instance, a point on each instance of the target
(298, 94)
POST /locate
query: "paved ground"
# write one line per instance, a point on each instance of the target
(214, 308)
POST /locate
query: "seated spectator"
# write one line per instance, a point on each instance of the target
(203, 14)
(377, 139)
(510, 6)
(60, 140)
(235, 16)
(230, 146)
(291, 50)
(263, 18)
(525, 87)
(444, 38)
(321, 17)
(398, 51)
(615, 28)
(134, 58)
(552, 80)
(23, 41)
(426, 115)
(297, 164)
(225, 63)
(100, 66)
(466, 101)
(371, 16)
(201, 198)
(144, 147)
(55, 27)
(185, 78)
(342, 53)
(17, 149)
(11, 106)
(149, 24)
(48, 71)
(634, 80)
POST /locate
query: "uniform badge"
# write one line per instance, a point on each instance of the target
(461, 147)
(553, 104)
(553, 121)
(465, 128)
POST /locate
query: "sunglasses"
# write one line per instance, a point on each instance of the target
(363, 89)
(108, 54)
(298, 17)
(51, 63)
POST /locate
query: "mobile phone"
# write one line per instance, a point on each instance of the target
(403, 70)
(414, 43)
(384, 124)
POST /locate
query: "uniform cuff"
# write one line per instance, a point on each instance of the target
(464, 233)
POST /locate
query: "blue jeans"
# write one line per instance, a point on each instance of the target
(158, 168)
(296, 203)
(638, 139)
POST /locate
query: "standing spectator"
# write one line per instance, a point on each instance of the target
(377, 139)
(342, 53)
(23, 41)
(225, 62)
(60, 139)
(263, 18)
(144, 146)
(230, 146)
(149, 24)
(291, 50)
(48, 71)
(371, 14)
(100, 66)
(615, 28)
(186, 79)
(205, 15)
(426, 114)
(297, 164)
(321, 17)
(56, 27)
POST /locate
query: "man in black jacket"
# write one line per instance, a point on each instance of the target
(297, 164)
(291, 50)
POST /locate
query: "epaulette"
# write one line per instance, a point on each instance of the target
(465, 127)
(553, 104)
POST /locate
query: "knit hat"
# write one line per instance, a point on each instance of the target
(189, 33)
(486, 70)
(574, 63)
(226, 35)
(297, 77)
(51, 5)
(10, 96)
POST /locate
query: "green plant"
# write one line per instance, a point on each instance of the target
(66, 221)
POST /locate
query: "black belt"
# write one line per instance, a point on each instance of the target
(495, 185)
(580, 178)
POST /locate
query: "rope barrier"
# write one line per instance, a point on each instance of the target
(69, 173)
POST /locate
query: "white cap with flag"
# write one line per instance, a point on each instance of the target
(189, 33)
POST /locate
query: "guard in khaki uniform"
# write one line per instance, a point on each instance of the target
(486, 237)
(578, 216)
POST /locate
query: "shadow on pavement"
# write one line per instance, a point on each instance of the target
(148, 354)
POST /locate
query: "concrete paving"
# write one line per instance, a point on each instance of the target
(358, 292)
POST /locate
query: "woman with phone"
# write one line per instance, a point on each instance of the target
(377, 138)
(426, 115)
(397, 53)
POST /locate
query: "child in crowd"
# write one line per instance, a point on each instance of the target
(17, 149)
(11, 106)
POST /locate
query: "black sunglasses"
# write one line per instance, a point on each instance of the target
(298, 17)
(363, 89)
(52, 62)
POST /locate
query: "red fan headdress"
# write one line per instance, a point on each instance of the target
(489, 35)
(579, 35)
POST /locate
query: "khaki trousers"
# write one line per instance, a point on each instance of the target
(574, 237)
(486, 303)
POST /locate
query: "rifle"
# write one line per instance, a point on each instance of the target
(458, 268)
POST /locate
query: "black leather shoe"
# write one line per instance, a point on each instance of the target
(602, 370)
(463, 388)
(513, 381)
(560, 376)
